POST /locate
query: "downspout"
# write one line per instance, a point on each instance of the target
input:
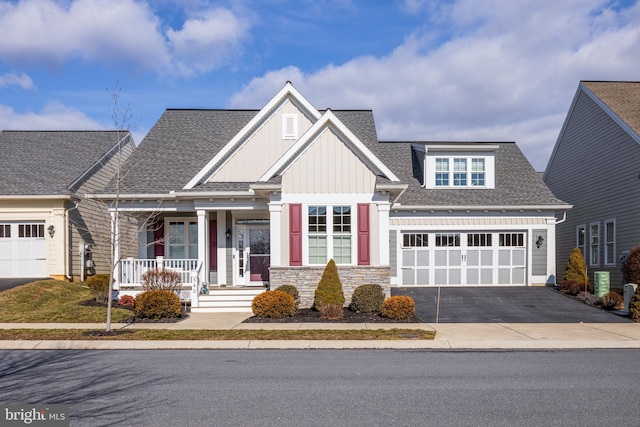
(67, 246)
(564, 218)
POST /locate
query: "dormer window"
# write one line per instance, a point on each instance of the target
(457, 167)
(289, 126)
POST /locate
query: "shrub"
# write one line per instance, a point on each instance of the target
(164, 280)
(329, 290)
(571, 287)
(399, 307)
(126, 301)
(367, 299)
(611, 300)
(156, 304)
(291, 290)
(331, 311)
(99, 285)
(634, 305)
(273, 304)
(575, 269)
(631, 267)
(588, 298)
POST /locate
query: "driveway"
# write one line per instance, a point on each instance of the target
(12, 282)
(503, 305)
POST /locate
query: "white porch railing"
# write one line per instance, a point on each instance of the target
(131, 270)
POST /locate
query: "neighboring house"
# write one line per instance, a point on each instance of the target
(43, 220)
(256, 198)
(595, 166)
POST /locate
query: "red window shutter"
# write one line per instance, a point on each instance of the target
(295, 234)
(363, 235)
(158, 238)
(213, 245)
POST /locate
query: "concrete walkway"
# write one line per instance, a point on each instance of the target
(473, 336)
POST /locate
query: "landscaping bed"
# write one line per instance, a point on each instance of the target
(350, 316)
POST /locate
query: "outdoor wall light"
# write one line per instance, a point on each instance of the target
(539, 242)
(51, 231)
(228, 234)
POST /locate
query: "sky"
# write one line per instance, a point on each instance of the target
(431, 70)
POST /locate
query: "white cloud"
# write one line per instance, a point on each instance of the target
(206, 41)
(502, 71)
(54, 116)
(22, 80)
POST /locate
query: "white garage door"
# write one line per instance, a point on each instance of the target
(23, 249)
(463, 258)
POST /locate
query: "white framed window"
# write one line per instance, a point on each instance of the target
(581, 240)
(610, 242)
(30, 231)
(5, 231)
(415, 240)
(460, 172)
(594, 244)
(479, 239)
(289, 126)
(511, 239)
(181, 238)
(329, 234)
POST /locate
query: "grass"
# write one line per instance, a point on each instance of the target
(55, 301)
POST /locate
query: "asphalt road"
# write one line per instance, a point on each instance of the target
(328, 388)
(507, 304)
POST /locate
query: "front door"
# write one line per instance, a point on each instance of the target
(253, 254)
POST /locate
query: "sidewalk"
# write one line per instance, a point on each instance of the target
(459, 336)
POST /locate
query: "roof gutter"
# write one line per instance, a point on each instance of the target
(37, 197)
(481, 208)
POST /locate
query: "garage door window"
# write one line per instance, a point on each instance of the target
(30, 230)
(5, 231)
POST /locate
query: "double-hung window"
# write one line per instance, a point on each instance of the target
(477, 172)
(442, 172)
(183, 240)
(610, 242)
(581, 236)
(594, 244)
(329, 234)
(460, 172)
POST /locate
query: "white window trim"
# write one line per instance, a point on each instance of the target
(597, 263)
(582, 248)
(167, 231)
(329, 234)
(606, 243)
(430, 170)
(293, 134)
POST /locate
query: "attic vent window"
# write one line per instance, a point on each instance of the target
(289, 126)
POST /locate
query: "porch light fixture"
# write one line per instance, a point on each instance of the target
(51, 231)
(228, 233)
(539, 242)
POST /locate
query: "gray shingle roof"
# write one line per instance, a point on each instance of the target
(48, 162)
(623, 98)
(183, 141)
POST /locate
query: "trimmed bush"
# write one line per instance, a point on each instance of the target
(273, 304)
(126, 301)
(331, 311)
(157, 304)
(575, 269)
(99, 285)
(611, 300)
(291, 290)
(571, 287)
(164, 280)
(329, 290)
(399, 307)
(634, 305)
(631, 267)
(367, 299)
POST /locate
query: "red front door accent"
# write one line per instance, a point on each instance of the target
(363, 235)
(213, 245)
(295, 234)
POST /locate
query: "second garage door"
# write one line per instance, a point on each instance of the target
(463, 258)
(23, 249)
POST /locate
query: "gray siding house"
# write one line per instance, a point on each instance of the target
(253, 198)
(595, 166)
(44, 218)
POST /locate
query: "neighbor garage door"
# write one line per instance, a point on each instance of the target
(463, 258)
(23, 249)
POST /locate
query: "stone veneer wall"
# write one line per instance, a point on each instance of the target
(306, 279)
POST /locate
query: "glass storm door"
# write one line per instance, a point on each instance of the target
(259, 255)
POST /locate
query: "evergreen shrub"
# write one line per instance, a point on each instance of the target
(631, 267)
(99, 285)
(367, 299)
(611, 300)
(634, 305)
(399, 307)
(291, 290)
(329, 290)
(575, 269)
(157, 304)
(331, 311)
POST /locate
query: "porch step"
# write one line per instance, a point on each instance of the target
(227, 300)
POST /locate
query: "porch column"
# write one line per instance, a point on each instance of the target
(552, 279)
(222, 248)
(275, 228)
(115, 243)
(383, 229)
(203, 252)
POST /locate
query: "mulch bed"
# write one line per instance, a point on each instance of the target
(114, 304)
(309, 315)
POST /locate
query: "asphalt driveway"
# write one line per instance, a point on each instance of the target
(12, 282)
(503, 305)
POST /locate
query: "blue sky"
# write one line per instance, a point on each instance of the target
(450, 70)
